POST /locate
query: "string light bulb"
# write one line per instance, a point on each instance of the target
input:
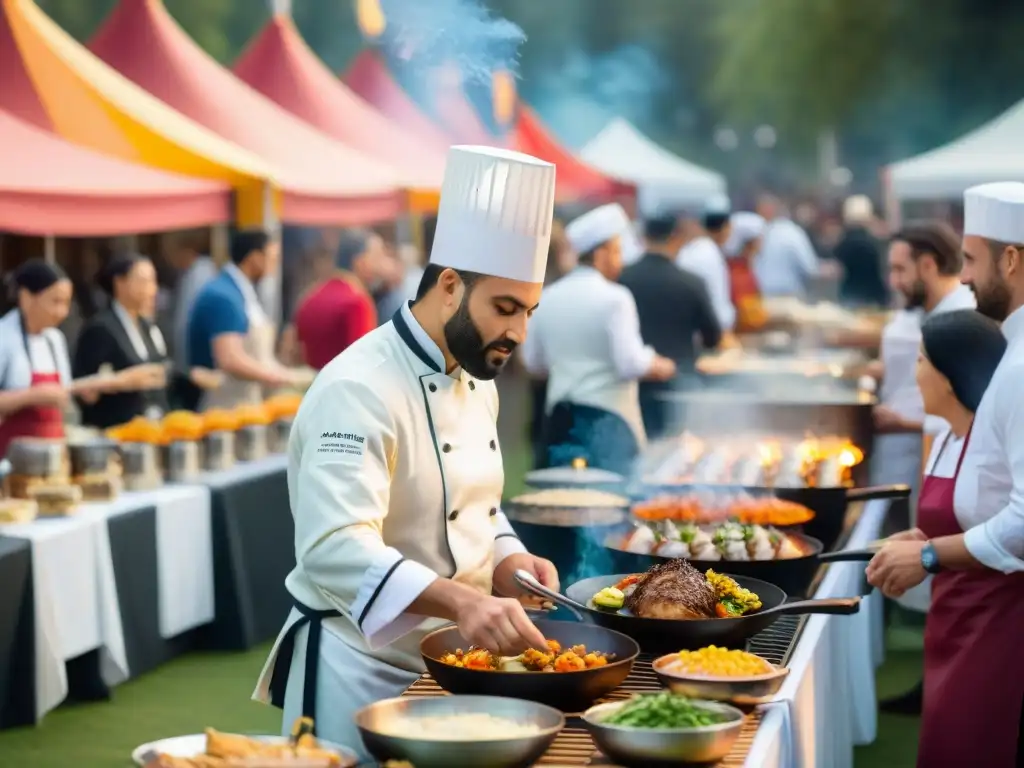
(370, 17)
(503, 92)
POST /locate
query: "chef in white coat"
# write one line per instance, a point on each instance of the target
(989, 498)
(703, 257)
(395, 474)
(586, 338)
(924, 269)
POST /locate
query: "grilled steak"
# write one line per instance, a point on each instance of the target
(672, 590)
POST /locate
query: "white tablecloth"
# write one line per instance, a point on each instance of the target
(274, 463)
(184, 551)
(76, 606)
(827, 705)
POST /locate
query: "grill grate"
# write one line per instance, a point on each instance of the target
(574, 747)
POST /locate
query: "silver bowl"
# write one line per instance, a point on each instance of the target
(650, 747)
(380, 723)
(744, 691)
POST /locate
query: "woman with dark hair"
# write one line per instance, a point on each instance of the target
(974, 673)
(35, 373)
(121, 340)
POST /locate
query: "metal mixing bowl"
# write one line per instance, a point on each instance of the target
(381, 722)
(650, 747)
(744, 691)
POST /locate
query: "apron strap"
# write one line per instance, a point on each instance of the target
(963, 451)
(285, 651)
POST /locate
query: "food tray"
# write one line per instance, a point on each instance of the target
(574, 746)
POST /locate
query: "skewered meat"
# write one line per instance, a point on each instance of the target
(672, 590)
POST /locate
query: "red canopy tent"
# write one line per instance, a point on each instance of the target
(368, 76)
(323, 182)
(455, 112)
(575, 180)
(279, 64)
(51, 187)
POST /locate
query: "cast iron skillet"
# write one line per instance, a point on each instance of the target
(567, 691)
(828, 504)
(793, 575)
(661, 636)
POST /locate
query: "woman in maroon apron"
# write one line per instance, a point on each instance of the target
(34, 365)
(974, 671)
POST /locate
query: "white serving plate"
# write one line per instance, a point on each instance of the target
(194, 745)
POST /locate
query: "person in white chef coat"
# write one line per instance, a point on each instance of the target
(586, 338)
(703, 257)
(924, 269)
(395, 473)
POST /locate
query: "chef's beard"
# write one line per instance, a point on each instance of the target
(917, 295)
(467, 346)
(993, 299)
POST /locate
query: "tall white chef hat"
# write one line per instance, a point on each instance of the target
(746, 226)
(495, 213)
(995, 211)
(598, 226)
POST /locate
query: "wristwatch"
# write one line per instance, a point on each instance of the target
(930, 558)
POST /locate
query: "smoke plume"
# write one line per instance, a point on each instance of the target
(432, 33)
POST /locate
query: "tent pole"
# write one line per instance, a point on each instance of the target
(50, 249)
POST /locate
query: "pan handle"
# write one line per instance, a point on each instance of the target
(847, 556)
(529, 584)
(874, 492)
(839, 606)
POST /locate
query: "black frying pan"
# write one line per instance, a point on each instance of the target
(793, 575)
(567, 691)
(828, 504)
(661, 636)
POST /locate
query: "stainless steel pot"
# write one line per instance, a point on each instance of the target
(92, 456)
(36, 457)
(218, 451)
(140, 465)
(181, 461)
(280, 431)
(251, 442)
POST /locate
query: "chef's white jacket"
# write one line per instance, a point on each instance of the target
(585, 336)
(394, 478)
(705, 259)
(990, 488)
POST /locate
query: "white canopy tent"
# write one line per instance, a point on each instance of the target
(663, 179)
(993, 152)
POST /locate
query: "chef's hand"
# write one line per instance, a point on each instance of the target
(205, 378)
(141, 377)
(914, 534)
(498, 624)
(897, 567)
(542, 570)
(46, 395)
(662, 369)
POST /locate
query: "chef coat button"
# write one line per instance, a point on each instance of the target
(453, 515)
(494, 445)
(446, 448)
(432, 387)
(472, 385)
(494, 511)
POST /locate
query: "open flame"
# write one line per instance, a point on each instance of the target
(503, 90)
(370, 18)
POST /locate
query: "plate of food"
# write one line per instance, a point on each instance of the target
(673, 605)
(721, 674)
(580, 664)
(215, 749)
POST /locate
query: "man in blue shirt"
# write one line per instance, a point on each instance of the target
(229, 331)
